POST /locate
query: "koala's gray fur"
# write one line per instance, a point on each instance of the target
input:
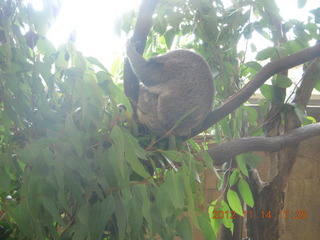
(172, 85)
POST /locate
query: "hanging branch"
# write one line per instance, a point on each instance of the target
(140, 34)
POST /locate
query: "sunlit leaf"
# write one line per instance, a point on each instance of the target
(234, 202)
(234, 177)
(227, 221)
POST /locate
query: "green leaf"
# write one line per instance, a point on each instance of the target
(74, 134)
(80, 61)
(99, 215)
(61, 62)
(172, 156)
(175, 188)
(30, 153)
(4, 179)
(227, 222)
(317, 84)
(241, 161)
(96, 62)
(50, 206)
(282, 81)
(251, 114)
(117, 152)
(253, 47)
(266, 53)
(281, 52)
(135, 219)
(169, 37)
(121, 215)
(211, 208)
(45, 46)
(271, 6)
(225, 127)
(235, 175)
(41, 19)
(208, 161)
(272, 93)
(300, 111)
(245, 192)
(142, 194)
(309, 120)
(164, 203)
(234, 202)
(301, 3)
(293, 46)
(252, 159)
(184, 229)
(206, 228)
(83, 215)
(133, 152)
(254, 65)
(194, 144)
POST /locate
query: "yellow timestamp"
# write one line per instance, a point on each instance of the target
(297, 214)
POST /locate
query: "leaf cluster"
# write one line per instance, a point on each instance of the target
(70, 166)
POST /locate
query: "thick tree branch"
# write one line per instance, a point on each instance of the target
(263, 75)
(227, 151)
(140, 33)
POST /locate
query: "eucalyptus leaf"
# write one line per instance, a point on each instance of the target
(234, 202)
(234, 177)
(241, 161)
(227, 221)
(245, 192)
(175, 189)
(184, 228)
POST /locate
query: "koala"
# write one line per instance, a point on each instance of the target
(176, 90)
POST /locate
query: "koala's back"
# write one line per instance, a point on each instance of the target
(184, 86)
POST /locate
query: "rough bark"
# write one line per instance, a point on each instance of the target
(270, 197)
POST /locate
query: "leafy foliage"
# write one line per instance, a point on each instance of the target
(72, 165)
(216, 31)
(70, 168)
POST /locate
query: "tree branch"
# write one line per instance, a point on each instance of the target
(226, 151)
(263, 75)
(140, 34)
